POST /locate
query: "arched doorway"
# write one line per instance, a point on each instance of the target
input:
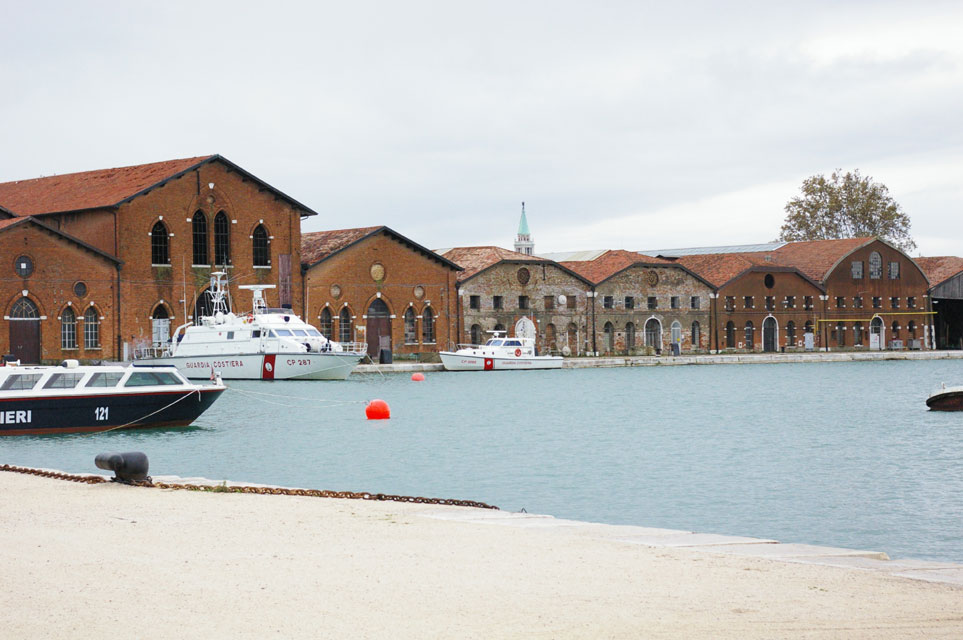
(750, 336)
(550, 346)
(476, 334)
(573, 338)
(630, 337)
(653, 334)
(25, 331)
(876, 334)
(160, 323)
(609, 342)
(378, 327)
(770, 335)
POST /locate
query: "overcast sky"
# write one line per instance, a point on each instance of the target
(630, 125)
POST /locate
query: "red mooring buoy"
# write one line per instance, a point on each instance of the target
(377, 410)
(418, 377)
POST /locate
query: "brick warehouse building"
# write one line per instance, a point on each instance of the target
(56, 293)
(498, 287)
(376, 286)
(642, 304)
(165, 226)
(873, 296)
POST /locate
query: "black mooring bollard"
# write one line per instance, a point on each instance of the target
(128, 467)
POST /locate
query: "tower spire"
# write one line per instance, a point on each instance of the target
(523, 241)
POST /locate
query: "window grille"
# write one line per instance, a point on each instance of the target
(222, 239)
(411, 332)
(259, 245)
(159, 245)
(894, 271)
(875, 266)
(857, 270)
(652, 302)
(675, 302)
(344, 326)
(68, 329)
(199, 234)
(695, 302)
(91, 329)
(608, 302)
(428, 326)
(325, 323)
(474, 302)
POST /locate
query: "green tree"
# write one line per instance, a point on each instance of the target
(845, 206)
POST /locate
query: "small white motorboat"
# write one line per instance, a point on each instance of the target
(501, 353)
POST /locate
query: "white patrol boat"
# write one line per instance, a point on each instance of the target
(501, 353)
(266, 344)
(75, 398)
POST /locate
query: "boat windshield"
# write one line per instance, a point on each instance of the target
(299, 332)
(63, 381)
(149, 378)
(284, 333)
(20, 382)
(513, 343)
(314, 332)
(101, 379)
(494, 343)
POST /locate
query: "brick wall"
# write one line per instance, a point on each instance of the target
(559, 325)
(64, 276)
(627, 326)
(410, 280)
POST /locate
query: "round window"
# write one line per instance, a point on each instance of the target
(80, 289)
(770, 281)
(652, 278)
(23, 266)
(524, 275)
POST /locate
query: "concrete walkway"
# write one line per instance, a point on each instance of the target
(727, 358)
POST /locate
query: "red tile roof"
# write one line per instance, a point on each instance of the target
(318, 245)
(609, 263)
(817, 257)
(88, 189)
(720, 268)
(474, 260)
(940, 268)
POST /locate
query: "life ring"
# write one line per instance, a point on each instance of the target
(518, 353)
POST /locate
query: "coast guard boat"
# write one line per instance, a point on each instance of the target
(74, 397)
(265, 344)
(501, 353)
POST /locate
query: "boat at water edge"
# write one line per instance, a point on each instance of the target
(87, 398)
(946, 399)
(501, 353)
(265, 344)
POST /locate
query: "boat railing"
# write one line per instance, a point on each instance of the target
(152, 351)
(355, 347)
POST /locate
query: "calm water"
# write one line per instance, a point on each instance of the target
(841, 454)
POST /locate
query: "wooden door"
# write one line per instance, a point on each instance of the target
(25, 340)
(378, 328)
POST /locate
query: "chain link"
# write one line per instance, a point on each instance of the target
(276, 491)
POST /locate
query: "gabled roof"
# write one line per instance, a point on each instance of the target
(6, 213)
(474, 260)
(817, 258)
(318, 246)
(720, 268)
(612, 262)
(9, 223)
(108, 188)
(940, 268)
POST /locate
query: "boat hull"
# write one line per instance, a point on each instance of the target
(105, 411)
(269, 366)
(454, 361)
(949, 400)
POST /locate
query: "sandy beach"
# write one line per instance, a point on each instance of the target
(107, 560)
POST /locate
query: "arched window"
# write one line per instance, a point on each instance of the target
(609, 332)
(696, 335)
(750, 335)
(629, 336)
(199, 234)
(344, 326)
(858, 333)
(91, 329)
(411, 327)
(24, 309)
(791, 334)
(428, 326)
(730, 335)
(325, 322)
(911, 329)
(259, 242)
(222, 239)
(499, 327)
(895, 330)
(476, 334)
(676, 329)
(875, 266)
(808, 327)
(68, 329)
(159, 244)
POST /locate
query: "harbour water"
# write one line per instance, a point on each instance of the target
(836, 454)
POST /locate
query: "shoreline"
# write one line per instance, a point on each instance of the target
(701, 359)
(92, 559)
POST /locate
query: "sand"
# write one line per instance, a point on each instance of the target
(109, 561)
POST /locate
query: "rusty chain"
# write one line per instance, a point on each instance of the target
(275, 491)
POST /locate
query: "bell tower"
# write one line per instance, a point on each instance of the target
(523, 241)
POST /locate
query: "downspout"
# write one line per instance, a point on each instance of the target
(595, 351)
(117, 316)
(714, 311)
